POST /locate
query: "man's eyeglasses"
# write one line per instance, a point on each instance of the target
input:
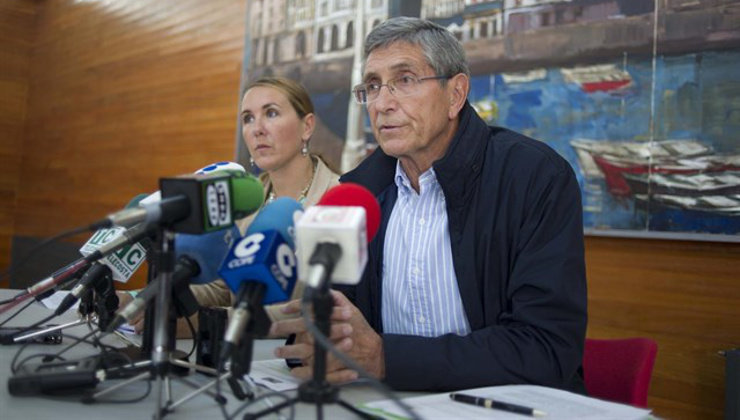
(399, 87)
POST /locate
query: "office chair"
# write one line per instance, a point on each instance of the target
(619, 370)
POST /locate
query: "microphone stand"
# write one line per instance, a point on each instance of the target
(162, 364)
(258, 324)
(86, 312)
(239, 369)
(318, 390)
(52, 329)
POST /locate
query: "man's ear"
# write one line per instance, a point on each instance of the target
(457, 88)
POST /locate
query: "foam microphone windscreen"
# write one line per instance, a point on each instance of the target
(248, 194)
(280, 214)
(266, 252)
(350, 194)
(226, 166)
(208, 250)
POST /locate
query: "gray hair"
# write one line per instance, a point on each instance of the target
(443, 51)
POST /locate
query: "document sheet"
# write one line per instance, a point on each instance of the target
(557, 404)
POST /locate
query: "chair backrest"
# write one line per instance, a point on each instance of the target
(619, 369)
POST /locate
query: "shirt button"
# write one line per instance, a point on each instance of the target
(422, 221)
(422, 319)
(415, 270)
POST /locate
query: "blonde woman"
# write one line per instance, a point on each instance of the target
(278, 121)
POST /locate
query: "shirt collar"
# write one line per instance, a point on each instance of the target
(427, 180)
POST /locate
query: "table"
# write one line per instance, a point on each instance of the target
(200, 407)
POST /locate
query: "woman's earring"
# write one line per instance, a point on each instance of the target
(304, 149)
(251, 162)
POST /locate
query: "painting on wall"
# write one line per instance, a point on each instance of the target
(641, 97)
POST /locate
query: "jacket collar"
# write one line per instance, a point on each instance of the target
(375, 172)
(459, 168)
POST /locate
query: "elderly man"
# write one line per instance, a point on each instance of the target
(476, 276)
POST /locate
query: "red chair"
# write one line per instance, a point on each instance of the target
(619, 370)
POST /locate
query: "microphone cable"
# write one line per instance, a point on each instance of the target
(15, 365)
(16, 313)
(3, 302)
(22, 261)
(327, 344)
(264, 396)
(33, 326)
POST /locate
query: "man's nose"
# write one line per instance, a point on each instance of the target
(385, 99)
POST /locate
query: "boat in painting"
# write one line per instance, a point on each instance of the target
(675, 173)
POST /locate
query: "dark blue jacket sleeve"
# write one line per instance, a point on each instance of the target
(535, 333)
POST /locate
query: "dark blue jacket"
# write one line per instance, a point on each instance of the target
(515, 222)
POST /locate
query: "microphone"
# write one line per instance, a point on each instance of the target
(128, 258)
(127, 261)
(261, 269)
(229, 167)
(332, 236)
(119, 265)
(185, 269)
(224, 166)
(196, 204)
(207, 251)
(280, 214)
(198, 260)
(102, 243)
(94, 274)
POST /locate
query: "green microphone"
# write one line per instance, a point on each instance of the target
(203, 203)
(248, 194)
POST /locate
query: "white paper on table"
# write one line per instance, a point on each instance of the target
(273, 374)
(558, 404)
(56, 298)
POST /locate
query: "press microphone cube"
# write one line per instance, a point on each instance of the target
(262, 257)
(123, 262)
(342, 225)
(209, 198)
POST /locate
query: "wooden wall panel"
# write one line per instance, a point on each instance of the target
(124, 92)
(686, 296)
(17, 19)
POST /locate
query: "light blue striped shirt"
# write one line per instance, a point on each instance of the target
(420, 293)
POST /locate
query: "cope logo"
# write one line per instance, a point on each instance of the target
(218, 204)
(257, 248)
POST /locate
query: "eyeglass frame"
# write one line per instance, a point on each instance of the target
(390, 85)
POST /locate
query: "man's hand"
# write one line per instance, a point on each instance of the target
(124, 298)
(182, 331)
(350, 333)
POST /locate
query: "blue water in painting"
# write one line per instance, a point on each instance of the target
(697, 96)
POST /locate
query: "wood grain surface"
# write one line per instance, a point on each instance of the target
(99, 99)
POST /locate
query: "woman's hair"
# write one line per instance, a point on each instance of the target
(443, 51)
(294, 91)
